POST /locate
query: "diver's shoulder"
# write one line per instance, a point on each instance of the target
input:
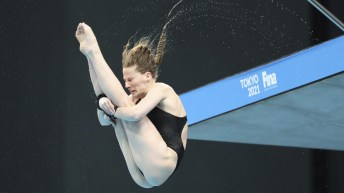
(164, 86)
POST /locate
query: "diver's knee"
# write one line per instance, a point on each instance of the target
(142, 182)
(145, 185)
(155, 180)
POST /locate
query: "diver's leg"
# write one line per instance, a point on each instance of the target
(150, 152)
(122, 139)
(107, 80)
(128, 156)
(95, 84)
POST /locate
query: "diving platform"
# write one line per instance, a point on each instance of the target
(294, 101)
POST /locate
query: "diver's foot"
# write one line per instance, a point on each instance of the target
(87, 39)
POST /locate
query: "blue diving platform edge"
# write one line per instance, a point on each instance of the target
(265, 81)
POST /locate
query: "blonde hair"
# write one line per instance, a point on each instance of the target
(144, 55)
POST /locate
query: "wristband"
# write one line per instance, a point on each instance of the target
(98, 98)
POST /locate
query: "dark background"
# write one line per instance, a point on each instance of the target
(51, 141)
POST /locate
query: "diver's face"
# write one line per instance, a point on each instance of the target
(136, 82)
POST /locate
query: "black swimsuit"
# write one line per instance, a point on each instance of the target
(170, 128)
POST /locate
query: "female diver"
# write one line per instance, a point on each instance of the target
(150, 124)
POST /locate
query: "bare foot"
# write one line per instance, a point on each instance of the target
(87, 39)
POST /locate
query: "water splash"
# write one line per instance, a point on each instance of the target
(235, 16)
(225, 22)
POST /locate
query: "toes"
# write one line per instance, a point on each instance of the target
(80, 29)
(80, 26)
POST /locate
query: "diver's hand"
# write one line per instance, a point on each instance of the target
(107, 106)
